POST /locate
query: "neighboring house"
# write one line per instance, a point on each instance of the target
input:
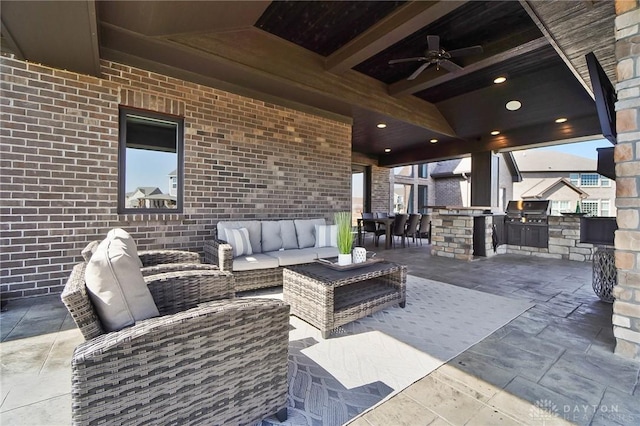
(150, 198)
(565, 180)
(452, 181)
(173, 183)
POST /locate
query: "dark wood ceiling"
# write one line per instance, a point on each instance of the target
(331, 58)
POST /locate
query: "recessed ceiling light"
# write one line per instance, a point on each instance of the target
(513, 105)
(387, 150)
(561, 120)
(495, 132)
(500, 79)
(381, 125)
(433, 140)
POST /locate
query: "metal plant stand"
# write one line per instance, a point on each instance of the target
(605, 275)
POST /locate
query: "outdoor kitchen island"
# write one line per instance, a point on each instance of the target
(464, 232)
(469, 233)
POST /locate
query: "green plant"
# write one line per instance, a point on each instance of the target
(345, 239)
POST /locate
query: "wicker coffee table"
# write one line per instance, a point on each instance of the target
(327, 298)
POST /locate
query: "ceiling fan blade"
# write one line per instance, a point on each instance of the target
(472, 50)
(433, 42)
(397, 61)
(419, 70)
(449, 66)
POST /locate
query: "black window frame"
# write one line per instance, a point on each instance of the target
(122, 159)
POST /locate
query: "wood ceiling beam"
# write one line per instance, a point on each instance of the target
(260, 62)
(401, 23)
(581, 128)
(407, 87)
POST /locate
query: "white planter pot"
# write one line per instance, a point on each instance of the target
(344, 259)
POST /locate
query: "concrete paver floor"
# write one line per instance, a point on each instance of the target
(554, 364)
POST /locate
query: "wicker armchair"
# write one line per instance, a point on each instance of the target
(219, 362)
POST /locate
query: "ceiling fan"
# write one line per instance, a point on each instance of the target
(438, 56)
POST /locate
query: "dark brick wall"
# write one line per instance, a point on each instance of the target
(59, 156)
(447, 191)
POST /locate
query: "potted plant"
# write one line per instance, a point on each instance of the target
(344, 237)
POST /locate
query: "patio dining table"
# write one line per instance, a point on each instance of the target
(388, 225)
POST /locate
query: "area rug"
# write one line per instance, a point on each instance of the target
(367, 361)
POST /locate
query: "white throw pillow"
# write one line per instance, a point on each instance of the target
(115, 283)
(326, 235)
(239, 240)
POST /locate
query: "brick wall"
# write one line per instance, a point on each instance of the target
(448, 191)
(626, 308)
(381, 190)
(59, 157)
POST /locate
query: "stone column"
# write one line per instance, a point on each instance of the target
(626, 308)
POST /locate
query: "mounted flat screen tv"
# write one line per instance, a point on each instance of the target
(605, 97)
(606, 163)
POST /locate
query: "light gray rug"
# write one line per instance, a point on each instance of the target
(369, 360)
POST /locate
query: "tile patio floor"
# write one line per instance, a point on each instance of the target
(558, 355)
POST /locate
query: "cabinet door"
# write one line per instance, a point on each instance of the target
(514, 234)
(536, 236)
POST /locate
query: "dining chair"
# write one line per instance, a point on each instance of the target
(369, 226)
(399, 226)
(424, 229)
(411, 230)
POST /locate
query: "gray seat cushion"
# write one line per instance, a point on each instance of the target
(254, 261)
(294, 257)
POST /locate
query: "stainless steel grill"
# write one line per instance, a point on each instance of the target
(530, 212)
(527, 224)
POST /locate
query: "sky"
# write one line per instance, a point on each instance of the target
(149, 168)
(583, 149)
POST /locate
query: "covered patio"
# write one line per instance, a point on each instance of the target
(266, 109)
(553, 364)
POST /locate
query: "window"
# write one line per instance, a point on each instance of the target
(423, 170)
(403, 198)
(575, 178)
(560, 206)
(357, 193)
(589, 179)
(604, 207)
(589, 207)
(150, 162)
(403, 171)
(423, 198)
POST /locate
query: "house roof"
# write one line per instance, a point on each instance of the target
(538, 187)
(546, 161)
(450, 168)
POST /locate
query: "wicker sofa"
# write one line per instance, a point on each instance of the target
(205, 357)
(275, 244)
